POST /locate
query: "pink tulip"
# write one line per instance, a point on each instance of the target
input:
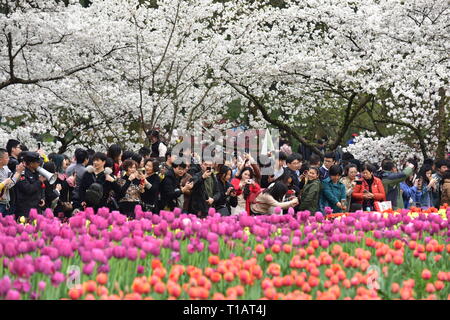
(41, 285)
(140, 269)
(5, 285)
(89, 268)
(13, 295)
(190, 248)
(57, 278)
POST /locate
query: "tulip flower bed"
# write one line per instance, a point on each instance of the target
(395, 255)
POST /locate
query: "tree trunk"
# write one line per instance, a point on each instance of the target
(350, 116)
(443, 131)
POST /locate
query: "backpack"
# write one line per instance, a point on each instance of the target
(253, 195)
(94, 194)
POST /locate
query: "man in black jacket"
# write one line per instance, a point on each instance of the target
(97, 175)
(294, 163)
(30, 189)
(14, 149)
(171, 189)
(205, 192)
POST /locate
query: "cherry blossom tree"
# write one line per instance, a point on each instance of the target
(117, 69)
(148, 69)
(300, 60)
(371, 148)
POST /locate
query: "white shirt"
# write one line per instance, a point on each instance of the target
(162, 150)
(5, 173)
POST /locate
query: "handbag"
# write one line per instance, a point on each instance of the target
(381, 206)
(66, 206)
(223, 211)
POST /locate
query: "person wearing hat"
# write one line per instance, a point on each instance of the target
(30, 189)
(352, 140)
(158, 148)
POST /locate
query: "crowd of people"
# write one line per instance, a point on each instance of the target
(156, 179)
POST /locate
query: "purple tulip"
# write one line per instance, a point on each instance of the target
(296, 241)
(57, 278)
(33, 214)
(104, 268)
(98, 255)
(89, 268)
(211, 212)
(132, 254)
(324, 244)
(377, 234)
(319, 217)
(214, 248)
(175, 257)
(177, 212)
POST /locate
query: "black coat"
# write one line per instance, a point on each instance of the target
(295, 178)
(198, 204)
(65, 195)
(90, 178)
(170, 190)
(150, 196)
(29, 192)
(224, 200)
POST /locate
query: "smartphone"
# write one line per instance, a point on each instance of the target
(208, 168)
(359, 182)
(39, 146)
(366, 191)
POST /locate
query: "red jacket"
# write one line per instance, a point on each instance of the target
(254, 188)
(377, 190)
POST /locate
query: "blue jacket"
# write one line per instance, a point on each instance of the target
(391, 183)
(410, 195)
(426, 197)
(331, 194)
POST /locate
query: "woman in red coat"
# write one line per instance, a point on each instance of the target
(369, 190)
(245, 184)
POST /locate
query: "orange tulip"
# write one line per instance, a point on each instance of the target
(75, 293)
(214, 260)
(102, 278)
(259, 248)
(439, 285)
(160, 287)
(395, 287)
(276, 248)
(228, 276)
(426, 274)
